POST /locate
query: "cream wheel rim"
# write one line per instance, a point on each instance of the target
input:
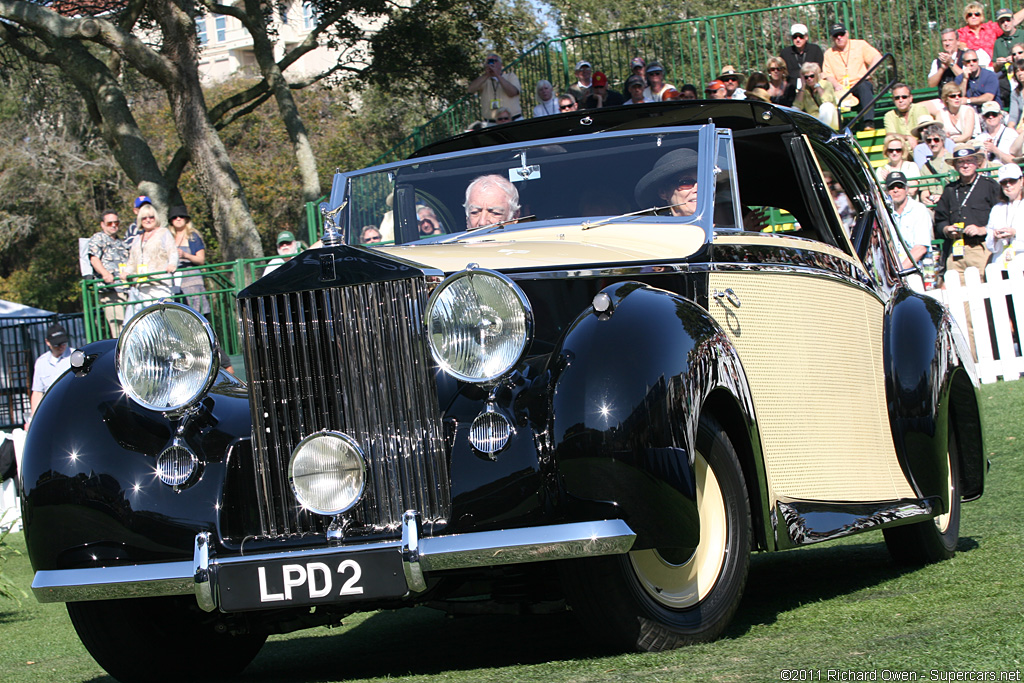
(684, 585)
(942, 521)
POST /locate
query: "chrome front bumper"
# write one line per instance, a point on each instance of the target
(419, 556)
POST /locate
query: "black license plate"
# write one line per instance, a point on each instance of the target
(311, 580)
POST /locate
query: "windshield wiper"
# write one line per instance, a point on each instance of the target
(490, 227)
(587, 225)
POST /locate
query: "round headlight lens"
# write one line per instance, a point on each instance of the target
(479, 324)
(165, 357)
(327, 472)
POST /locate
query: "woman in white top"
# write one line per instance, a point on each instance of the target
(1006, 220)
(957, 118)
(547, 101)
(897, 156)
(152, 252)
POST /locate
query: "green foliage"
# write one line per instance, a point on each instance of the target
(8, 591)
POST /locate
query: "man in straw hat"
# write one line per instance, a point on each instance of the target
(961, 214)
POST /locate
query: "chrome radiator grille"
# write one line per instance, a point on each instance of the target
(352, 359)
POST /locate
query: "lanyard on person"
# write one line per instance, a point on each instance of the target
(960, 211)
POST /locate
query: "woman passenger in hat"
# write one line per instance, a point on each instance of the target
(672, 183)
(191, 253)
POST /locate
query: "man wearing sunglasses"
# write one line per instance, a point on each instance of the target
(846, 62)
(902, 120)
(800, 52)
(977, 85)
(108, 255)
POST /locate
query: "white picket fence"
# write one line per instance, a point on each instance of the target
(996, 290)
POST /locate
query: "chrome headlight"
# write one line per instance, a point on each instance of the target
(479, 324)
(327, 472)
(166, 357)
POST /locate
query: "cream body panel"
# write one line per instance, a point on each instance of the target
(812, 351)
(558, 246)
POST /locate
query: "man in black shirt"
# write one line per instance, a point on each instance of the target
(800, 52)
(961, 214)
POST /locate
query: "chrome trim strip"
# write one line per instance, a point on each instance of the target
(440, 553)
(105, 583)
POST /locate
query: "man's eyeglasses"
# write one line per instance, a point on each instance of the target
(970, 61)
(112, 223)
(901, 97)
(372, 238)
(933, 141)
(839, 35)
(1018, 53)
(731, 78)
(799, 35)
(567, 107)
(990, 115)
(502, 119)
(1008, 181)
(1005, 19)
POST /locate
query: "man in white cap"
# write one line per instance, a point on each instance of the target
(996, 138)
(584, 79)
(800, 52)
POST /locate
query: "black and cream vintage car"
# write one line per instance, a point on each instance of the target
(592, 361)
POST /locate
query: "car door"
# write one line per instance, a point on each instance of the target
(808, 326)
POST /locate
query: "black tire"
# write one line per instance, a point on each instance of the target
(932, 540)
(618, 597)
(156, 639)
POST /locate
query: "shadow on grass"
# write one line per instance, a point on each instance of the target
(422, 641)
(779, 582)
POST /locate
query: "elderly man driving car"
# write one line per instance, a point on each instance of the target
(490, 199)
(671, 183)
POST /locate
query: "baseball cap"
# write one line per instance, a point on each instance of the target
(714, 85)
(600, 79)
(991, 108)
(635, 80)
(895, 178)
(654, 66)
(1008, 172)
(836, 29)
(637, 61)
(285, 236)
(142, 199)
(583, 63)
(798, 28)
(1003, 12)
(56, 335)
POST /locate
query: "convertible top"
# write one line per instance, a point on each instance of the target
(738, 115)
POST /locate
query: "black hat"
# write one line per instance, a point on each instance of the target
(676, 161)
(56, 335)
(177, 212)
(635, 80)
(895, 178)
(836, 29)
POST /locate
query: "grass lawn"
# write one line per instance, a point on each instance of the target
(841, 605)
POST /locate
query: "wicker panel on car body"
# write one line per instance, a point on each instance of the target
(812, 351)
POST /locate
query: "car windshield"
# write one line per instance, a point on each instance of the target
(650, 176)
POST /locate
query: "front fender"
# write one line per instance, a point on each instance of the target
(91, 492)
(629, 386)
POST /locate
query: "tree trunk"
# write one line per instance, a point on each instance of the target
(264, 50)
(233, 222)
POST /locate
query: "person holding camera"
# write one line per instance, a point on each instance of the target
(498, 89)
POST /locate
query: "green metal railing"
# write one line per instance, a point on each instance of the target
(695, 50)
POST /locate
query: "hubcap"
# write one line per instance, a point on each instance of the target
(684, 584)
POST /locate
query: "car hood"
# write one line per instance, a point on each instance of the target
(560, 245)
